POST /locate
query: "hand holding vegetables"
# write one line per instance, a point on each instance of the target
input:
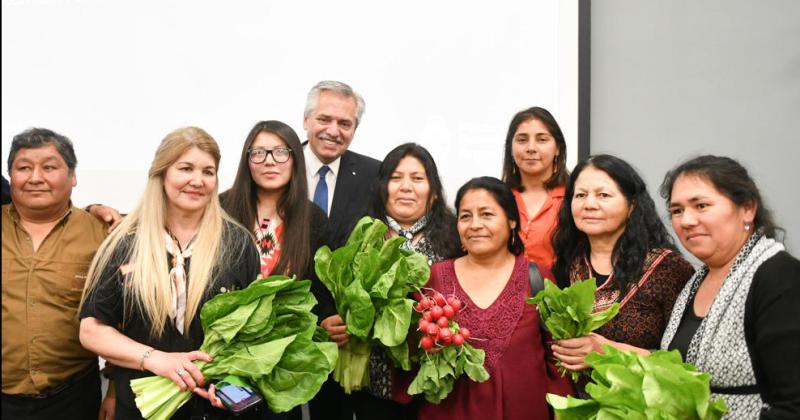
(572, 351)
(169, 365)
(446, 352)
(337, 330)
(370, 278)
(263, 336)
(568, 313)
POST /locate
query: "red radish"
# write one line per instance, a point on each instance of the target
(427, 316)
(458, 339)
(445, 334)
(454, 302)
(465, 333)
(426, 343)
(432, 329)
(427, 303)
(447, 341)
(443, 322)
(439, 299)
(418, 307)
(437, 312)
(423, 325)
(449, 311)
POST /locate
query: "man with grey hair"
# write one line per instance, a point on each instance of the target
(340, 183)
(339, 180)
(48, 245)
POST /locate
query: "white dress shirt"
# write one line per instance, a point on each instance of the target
(312, 173)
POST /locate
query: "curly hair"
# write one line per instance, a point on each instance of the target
(643, 230)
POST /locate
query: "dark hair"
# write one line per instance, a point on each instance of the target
(505, 198)
(441, 228)
(643, 231)
(511, 174)
(34, 138)
(731, 179)
(240, 201)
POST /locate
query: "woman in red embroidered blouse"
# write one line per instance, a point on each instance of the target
(492, 281)
(534, 167)
(608, 229)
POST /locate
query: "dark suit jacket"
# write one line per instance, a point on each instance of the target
(6, 192)
(351, 196)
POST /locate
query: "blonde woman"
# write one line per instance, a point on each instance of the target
(177, 249)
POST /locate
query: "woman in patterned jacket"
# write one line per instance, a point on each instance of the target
(609, 229)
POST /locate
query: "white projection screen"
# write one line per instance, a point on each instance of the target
(116, 77)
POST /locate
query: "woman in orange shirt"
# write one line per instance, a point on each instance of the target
(535, 168)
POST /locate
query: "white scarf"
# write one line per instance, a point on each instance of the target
(178, 275)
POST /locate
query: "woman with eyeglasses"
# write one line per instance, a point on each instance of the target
(269, 197)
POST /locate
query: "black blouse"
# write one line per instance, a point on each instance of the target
(105, 303)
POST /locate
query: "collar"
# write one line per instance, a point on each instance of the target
(313, 163)
(12, 211)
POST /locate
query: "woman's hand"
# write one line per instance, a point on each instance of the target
(336, 328)
(571, 352)
(178, 367)
(210, 395)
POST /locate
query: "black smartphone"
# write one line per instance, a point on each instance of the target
(238, 398)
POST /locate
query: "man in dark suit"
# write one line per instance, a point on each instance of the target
(340, 183)
(333, 112)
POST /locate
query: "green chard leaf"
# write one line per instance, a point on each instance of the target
(361, 314)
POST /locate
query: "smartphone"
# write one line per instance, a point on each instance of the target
(238, 398)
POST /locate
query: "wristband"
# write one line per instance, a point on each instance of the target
(145, 355)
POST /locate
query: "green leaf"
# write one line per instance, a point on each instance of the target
(398, 271)
(225, 303)
(360, 314)
(391, 324)
(366, 266)
(399, 355)
(297, 377)
(251, 361)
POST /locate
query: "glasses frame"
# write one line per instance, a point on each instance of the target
(269, 152)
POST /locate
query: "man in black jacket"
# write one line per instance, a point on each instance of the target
(340, 183)
(333, 112)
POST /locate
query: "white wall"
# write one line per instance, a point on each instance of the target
(672, 80)
(117, 76)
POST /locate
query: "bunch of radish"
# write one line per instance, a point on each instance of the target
(446, 353)
(437, 324)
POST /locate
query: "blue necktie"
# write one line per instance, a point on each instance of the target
(321, 193)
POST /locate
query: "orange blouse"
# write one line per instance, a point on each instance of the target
(536, 231)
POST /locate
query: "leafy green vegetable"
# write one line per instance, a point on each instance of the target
(369, 278)
(568, 313)
(264, 336)
(438, 371)
(627, 385)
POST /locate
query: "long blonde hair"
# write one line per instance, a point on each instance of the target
(147, 287)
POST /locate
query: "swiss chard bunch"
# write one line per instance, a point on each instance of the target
(446, 352)
(370, 278)
(262, 336)
(568, 313)
(627, 385)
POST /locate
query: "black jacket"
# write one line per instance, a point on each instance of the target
(354, 186)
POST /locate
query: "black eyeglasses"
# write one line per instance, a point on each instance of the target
(279, 154)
